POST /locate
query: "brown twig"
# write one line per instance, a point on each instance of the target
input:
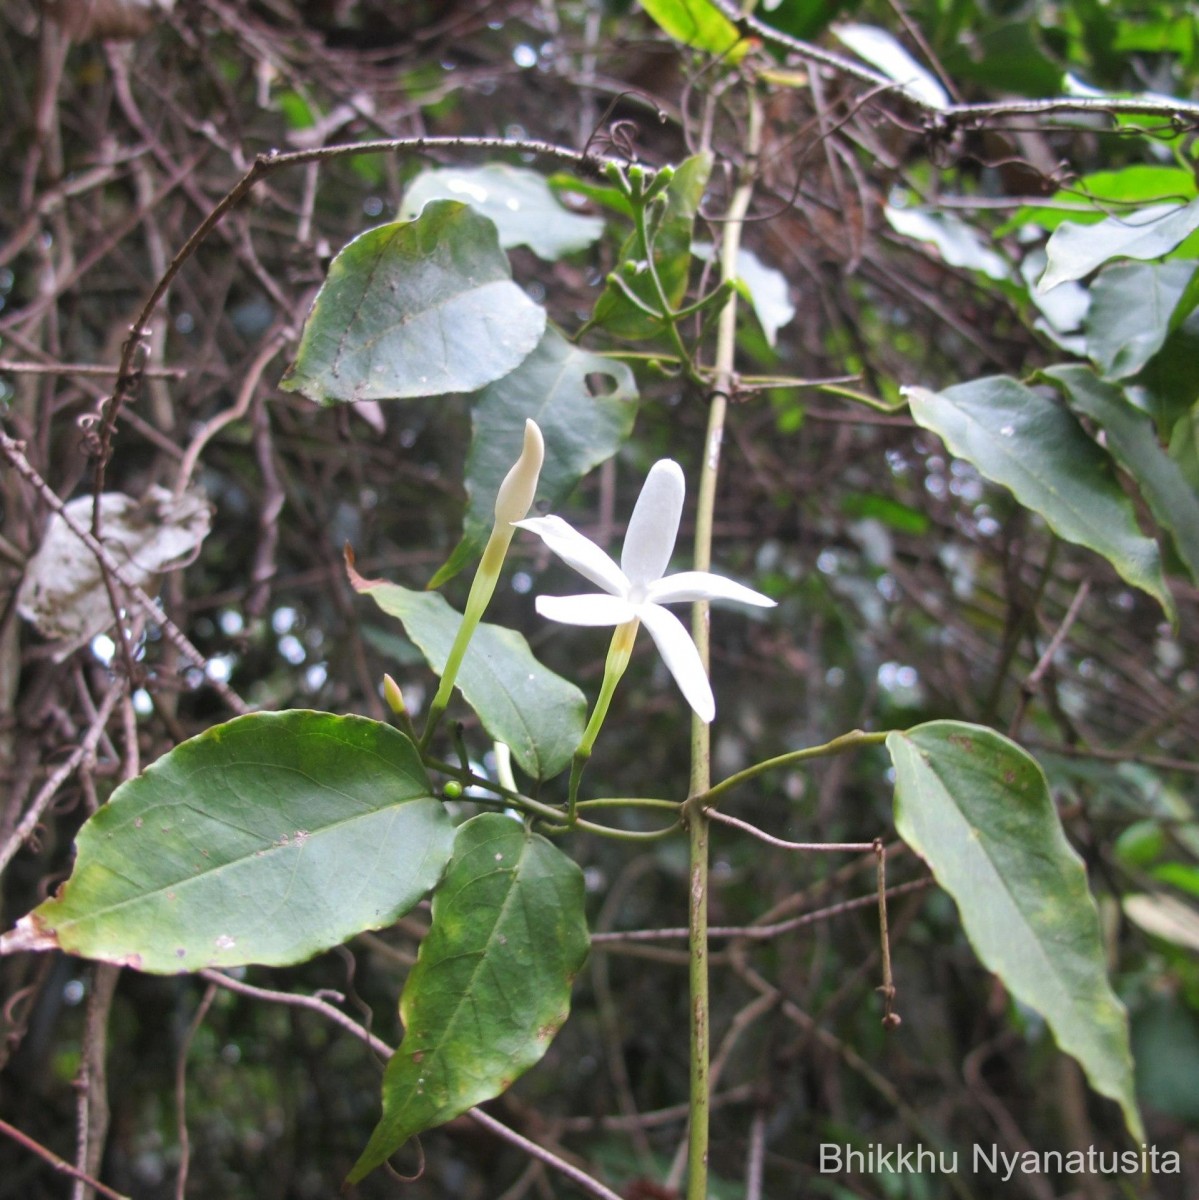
(181, 1088)
(817, 847)
(60, 1164)
(760, 932)
(85, 748)
(569, 1170)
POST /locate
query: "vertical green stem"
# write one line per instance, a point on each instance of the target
(701, 759)
(481, 590)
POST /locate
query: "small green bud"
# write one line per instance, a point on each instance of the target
(452, 790)
(393, 696)
(659, 183)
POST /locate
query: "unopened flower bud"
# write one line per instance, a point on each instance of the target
(516, 493)
(393, 696)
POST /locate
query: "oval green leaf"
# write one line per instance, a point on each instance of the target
(537, 713)
(977, 809)
(1132, 312)
(699, 24)
(491, 984)
(517, 200)
(1075, 250)
(264, 840)
(415, 308)
(1030, 444)
(1133, 442)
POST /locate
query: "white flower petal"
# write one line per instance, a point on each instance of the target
(591, 609)
(654, 525)
(681, 657)
(579, 552)
(703, 585)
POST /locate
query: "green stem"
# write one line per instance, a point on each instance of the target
(701, 758)
(668, 315)
(620, 650)
(839, 745)
(481, 591)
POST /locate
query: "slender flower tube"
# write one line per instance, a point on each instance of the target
(512, 502)
(636, 590)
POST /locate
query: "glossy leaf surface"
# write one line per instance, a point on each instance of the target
(581, 429)
(518, 201)
(1132, 440)
(977, 809)
(416, 308)
(1029, 443)
(491, 985)
(264, 840)
(1132, 313)
(699, 24)
(1075, 250)
(537, 713)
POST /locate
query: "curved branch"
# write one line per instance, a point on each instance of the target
(1112, 106)
(498, 1128)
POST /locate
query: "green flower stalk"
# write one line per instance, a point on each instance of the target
(395, 701)
(620, 650)
(512, 504)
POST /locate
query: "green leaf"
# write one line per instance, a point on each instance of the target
(977, 809)
(538, 714)
(605, 195)
(264, 840)
(670, 226)
(517, 200)
(1008, 58)
(765, 288)
(1031, 445)
(1132, 313)
(959, 243)
(889, 511)
(581, 430)
(415, 308)
(699, 24)
(1165, 917)
(491, 984)
(1133, 442)
(1075, 250)
(1107, 190)
(1165, 1037)
(1184, 445)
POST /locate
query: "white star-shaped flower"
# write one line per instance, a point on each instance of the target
(638, 588)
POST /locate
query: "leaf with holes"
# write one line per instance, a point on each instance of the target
(581, 430)
(264, 840)
(977, 809)
(491, 985)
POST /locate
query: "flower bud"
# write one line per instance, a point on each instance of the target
(516, 493)
(393, 696)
